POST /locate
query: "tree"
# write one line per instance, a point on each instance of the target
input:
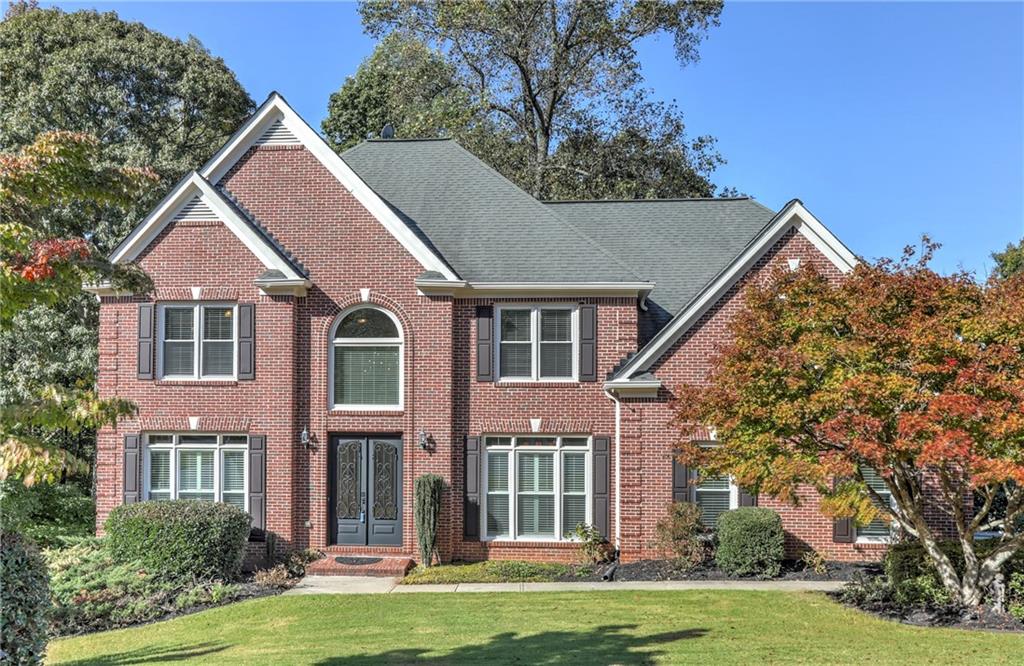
(1010, 261)
(894, 368)
(555, 89)
(37, 267)
(150, 101)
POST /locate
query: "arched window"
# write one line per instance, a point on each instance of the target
(366, 360)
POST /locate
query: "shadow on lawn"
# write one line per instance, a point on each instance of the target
(152, 655)
(600, 645)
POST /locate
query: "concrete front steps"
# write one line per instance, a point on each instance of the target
(347, 564)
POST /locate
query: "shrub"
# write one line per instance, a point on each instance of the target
(1015, 595)
(50, 515)
(297, 561)
(275, 577)
(909, 560)
(593, 547)
(92, 591)
(680, 535)
(176, 538)
(427, 491)
(26, 600)
(814, 561)
(750, 542)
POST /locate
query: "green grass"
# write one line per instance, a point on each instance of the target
(729, 627)
(492, 571)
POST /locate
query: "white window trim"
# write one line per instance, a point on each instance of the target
(535, 343)
(513, 450)
(868, 539)
(175, 447)
(366, 342)
(734, 495)
(197, 339)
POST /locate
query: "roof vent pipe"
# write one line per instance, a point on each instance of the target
(388, 132)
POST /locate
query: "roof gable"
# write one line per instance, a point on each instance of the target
(275, 122)
(194, 198)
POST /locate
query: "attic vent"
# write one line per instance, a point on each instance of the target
(195, 210)
(277, 135)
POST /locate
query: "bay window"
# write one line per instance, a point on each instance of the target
(205, 467)
(197, 341)
(537, 342)
(537, 488)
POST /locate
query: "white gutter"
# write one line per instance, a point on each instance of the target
(618, 471)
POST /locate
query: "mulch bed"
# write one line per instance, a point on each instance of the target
(654, 570)
(953, 617)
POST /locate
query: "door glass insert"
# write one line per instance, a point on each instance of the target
(349, 474)
(385, 481)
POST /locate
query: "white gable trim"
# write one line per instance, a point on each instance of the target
(182, 196)
(276, 109)
(792, 215)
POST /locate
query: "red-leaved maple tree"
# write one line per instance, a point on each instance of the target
(896, 369)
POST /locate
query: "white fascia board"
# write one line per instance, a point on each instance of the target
(291, 287)
(192, 186)
(792, 215)
(276, 108)
(506, 289)
(643, 388)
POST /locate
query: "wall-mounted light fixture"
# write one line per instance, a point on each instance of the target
(305, 439)
(424, 440)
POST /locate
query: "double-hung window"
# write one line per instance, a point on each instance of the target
(198, 341)
(715, 495)
(538, 488)
(200, 467)
(537, 342)
(878, 530)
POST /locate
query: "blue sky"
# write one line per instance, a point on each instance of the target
(888, 120)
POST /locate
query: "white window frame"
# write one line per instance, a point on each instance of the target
(197, 339)
(513, 449)
(867, 538)
(734, 495)
(535, 342)
(332, 344)
(175, 447)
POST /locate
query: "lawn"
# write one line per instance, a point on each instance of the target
(489, 571)
(538, 628)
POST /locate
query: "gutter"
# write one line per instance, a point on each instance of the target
(618, 472)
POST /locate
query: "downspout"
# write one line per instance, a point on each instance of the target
(618, 471)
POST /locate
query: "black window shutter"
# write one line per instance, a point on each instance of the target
(680, 481)
(257, 483)
(146, 327)
(484, 343)
(471, 498)
(588, 343)
(247, 341)
(747, 499)
(132, 469)
(601, 484)
(842, 531)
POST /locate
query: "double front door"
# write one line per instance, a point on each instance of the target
(366, 497)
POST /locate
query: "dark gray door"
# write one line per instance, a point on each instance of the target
(367, 491)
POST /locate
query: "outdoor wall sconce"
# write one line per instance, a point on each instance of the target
(305, 439)
(424, 440)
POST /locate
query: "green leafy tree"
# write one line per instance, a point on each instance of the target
(1010, 261)
(39, 268)
(896, 370)
(149, 101)
(553, 90)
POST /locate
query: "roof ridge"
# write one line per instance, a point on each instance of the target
(540, 204)
(668, 200)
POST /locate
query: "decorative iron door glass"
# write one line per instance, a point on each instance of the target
(366, 496)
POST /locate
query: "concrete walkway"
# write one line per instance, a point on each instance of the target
(371, 585)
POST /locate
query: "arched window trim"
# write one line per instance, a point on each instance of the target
(332, 343)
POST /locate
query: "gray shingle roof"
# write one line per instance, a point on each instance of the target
(485, 228)
(681, 244)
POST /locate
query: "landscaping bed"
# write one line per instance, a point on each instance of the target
(654, 570)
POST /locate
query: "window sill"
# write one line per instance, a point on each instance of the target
(197, 382)
(368, 411)
(872, 541)
(531, 543)
(537, 383)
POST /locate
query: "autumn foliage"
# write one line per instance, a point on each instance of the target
(916, 375)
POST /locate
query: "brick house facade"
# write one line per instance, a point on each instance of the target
(255, 386)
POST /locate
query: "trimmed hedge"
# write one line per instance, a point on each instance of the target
(176, 538)
(750, 542)
(24, 586)
(909, 560)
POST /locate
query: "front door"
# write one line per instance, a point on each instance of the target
(366, 498)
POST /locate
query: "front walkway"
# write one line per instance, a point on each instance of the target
(372, 585)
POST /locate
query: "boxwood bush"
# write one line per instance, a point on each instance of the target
(750, 542)
(26, 601)
(175, 538)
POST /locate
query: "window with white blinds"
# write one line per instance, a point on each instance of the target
(537, 488)
(537, 342)
(878, 530)
(206, 467)
(198, 341)
(715, 495)
(366, 360)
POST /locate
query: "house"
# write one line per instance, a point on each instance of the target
(324, 329)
